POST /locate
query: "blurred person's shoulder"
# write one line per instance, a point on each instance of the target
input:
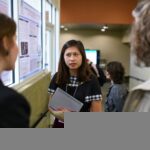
(144, 86)
(10, 96)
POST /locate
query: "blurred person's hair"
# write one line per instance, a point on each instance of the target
(7, 29)
(116, 71)
(140, 35)
(84, 73)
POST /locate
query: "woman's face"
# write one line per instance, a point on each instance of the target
(12, 56)
(73, 58)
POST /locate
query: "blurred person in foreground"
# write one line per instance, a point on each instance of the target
(98, 72)
(14, 109)
(139, 97)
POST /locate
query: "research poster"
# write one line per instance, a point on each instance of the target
(30, 42)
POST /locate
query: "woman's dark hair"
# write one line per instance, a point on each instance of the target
(140, 35)
(116, 71)
(7, 29)
(84, 73)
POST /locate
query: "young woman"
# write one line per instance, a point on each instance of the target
(14, 109)
(117, 92)
(74, 77)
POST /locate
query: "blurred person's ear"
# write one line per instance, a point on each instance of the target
(6, 45)
(5, 42)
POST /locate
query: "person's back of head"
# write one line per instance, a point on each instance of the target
(7, 29)
(116, 71)
(8, 45)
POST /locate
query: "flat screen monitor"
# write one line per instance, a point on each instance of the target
(93, 55)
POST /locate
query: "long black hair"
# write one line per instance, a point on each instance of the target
(83, 74)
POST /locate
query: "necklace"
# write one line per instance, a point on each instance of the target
(74, 93)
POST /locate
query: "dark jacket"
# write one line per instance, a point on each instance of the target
(99, 73)
(14, 109)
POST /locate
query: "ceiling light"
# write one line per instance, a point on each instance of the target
(66, 29)
(105, 27)
(62, 26)
(103, 30)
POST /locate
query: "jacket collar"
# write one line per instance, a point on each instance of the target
(144, 86)
(1, 83)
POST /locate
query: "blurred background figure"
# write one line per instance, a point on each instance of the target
(14, 109)
(117, 91)
(139, 97)
(98, 72)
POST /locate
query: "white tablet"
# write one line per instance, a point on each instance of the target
(62, 99)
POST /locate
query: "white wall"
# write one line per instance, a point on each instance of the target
(110, 44)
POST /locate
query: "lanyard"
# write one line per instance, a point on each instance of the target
(74, 91)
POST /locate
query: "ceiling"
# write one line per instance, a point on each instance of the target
(116, 27)
(93, 15)
(97, 11)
